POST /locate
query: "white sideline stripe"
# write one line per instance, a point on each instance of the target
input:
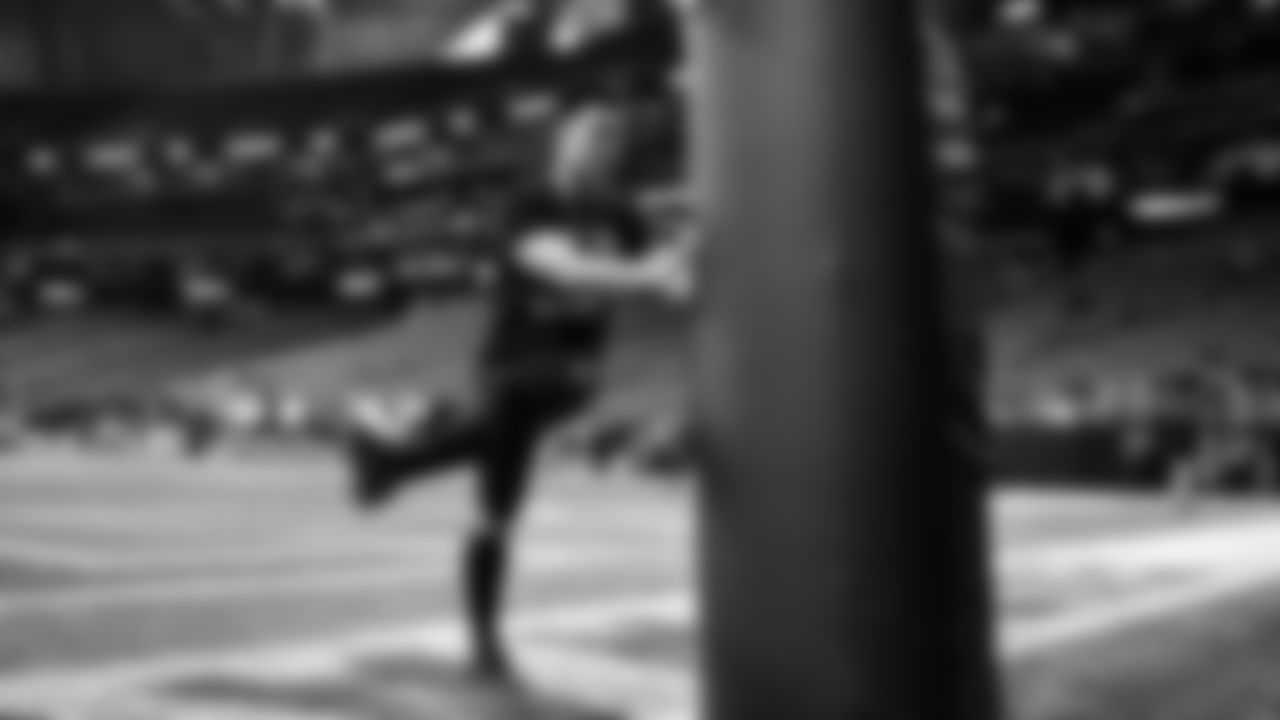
(1019, 640)
(53, 555)
(197, 589)
(112, 515)
(124, 522)
(1244, 541)
(105, 558)
(82, 557)
(57, 517)
(70, 468)
(166, 709)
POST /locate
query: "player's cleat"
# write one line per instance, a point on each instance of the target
(382, 467)
(376, 483)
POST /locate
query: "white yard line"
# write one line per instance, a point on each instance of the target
(1238, 541)
(197, 522)
(95, 518)
(86, 557)
(110, 558)
(207, 589)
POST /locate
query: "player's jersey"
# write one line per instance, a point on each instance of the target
(534, 322)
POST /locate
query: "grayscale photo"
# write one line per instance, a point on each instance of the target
(639, 359)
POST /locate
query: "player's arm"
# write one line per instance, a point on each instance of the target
(554, 256)
(683, 238)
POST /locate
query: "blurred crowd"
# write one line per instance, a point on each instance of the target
(1100, 123)
(373, 188)
(229, 415)
(1102, 118)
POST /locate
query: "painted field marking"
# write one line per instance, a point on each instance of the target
(209, 589)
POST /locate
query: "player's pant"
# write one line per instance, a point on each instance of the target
(501, 436)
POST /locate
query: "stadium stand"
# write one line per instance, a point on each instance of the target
(382, 173)
(1065, 91)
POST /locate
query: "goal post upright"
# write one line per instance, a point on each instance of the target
(843, 562)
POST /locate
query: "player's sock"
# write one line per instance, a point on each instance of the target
(485, 574)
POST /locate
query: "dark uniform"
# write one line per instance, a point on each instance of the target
(539, 364)
(540, 360)
(544, 353)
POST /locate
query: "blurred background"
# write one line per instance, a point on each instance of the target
(229, 227)
(325, 174)
(194, 192)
